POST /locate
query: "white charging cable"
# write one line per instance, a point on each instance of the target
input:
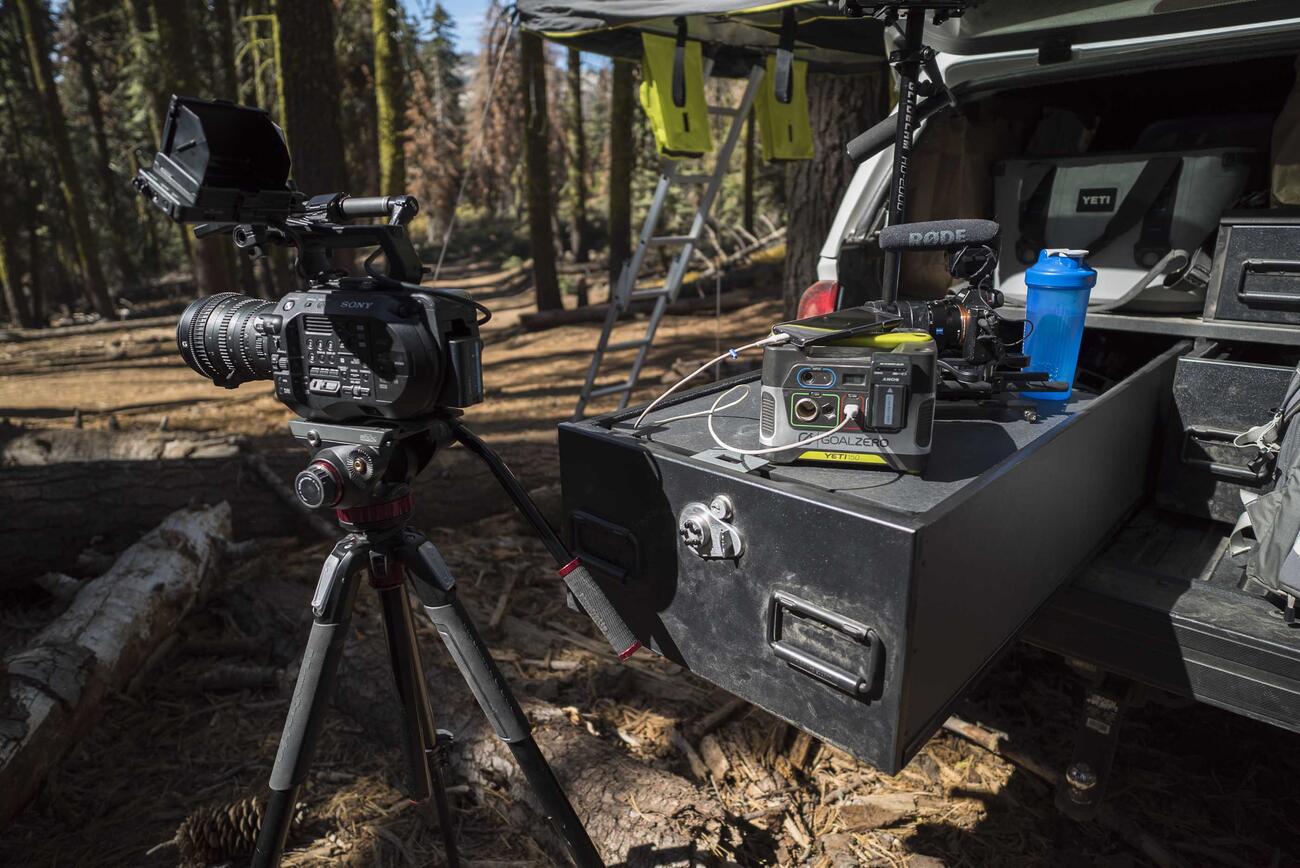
(769, 341)
(850, 413)
(708, 412)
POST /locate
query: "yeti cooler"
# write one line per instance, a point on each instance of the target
(1143, 218)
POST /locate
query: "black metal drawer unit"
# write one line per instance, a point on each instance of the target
(856, 604)
(1256, 275)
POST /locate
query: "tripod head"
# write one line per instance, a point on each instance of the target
(364, 472)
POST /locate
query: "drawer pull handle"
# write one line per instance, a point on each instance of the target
(858, 684)
(1269, 268)
(1257, 472)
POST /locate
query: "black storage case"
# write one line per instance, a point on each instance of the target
(905, 587)
(1256, 273)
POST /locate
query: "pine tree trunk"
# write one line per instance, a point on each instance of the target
(225, 60)
(15, 302)
(243, 275)
(537, 171)
(390, 97)
(840, 107)
(747, 203)
(137, 14)
(578, 235)
(621, 159)
(33, 15)
(176, 52)
(309, 89)
(110, 187)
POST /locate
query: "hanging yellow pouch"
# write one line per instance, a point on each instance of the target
(784, 128)
(672, 94)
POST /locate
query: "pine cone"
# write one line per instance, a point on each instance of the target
(219, 833)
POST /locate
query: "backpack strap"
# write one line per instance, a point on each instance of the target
(784, 90)
(679, 64)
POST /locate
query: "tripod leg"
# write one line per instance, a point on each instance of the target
(420, 738)
(332, 606)
(436, 588)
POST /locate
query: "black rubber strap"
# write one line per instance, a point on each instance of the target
(679, 64)
(1141, 196)
(784, 84)
(1033, 219)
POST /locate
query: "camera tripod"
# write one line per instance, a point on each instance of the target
(365, 471)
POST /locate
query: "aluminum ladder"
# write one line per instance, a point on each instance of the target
(625, 291)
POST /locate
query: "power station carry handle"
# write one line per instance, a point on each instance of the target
(599, 609)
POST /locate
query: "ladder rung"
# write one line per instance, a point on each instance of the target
(626, 345)
(697, 178)
(725, 110)
(611, 390)
(645, 294)
(673, 239)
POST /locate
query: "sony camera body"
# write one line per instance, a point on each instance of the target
(890, 377)
(341, 354)
(344, 349)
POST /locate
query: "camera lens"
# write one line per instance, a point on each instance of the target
(217, 338)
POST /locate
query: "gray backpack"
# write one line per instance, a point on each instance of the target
(1266, 539)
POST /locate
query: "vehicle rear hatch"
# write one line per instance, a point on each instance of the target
(996, 26)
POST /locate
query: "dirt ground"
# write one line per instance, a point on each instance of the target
(1192, 785)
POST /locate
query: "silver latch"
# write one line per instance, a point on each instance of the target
(707, 530)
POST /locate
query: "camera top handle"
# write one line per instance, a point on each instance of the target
(315, 232)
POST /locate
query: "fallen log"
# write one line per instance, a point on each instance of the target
(56, 445)
(733, 300)
(106, 325)
(53, 688)
(51, 519)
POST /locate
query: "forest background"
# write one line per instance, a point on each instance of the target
(551, 164)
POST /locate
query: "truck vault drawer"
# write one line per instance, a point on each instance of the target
(861, 603)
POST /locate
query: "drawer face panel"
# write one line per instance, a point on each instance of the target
(1256, 273)
(1212, 401)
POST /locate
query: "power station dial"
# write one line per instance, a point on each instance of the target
(318, 486)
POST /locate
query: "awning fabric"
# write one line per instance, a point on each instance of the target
(736, 34)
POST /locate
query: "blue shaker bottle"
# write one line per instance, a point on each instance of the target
(1058, 284)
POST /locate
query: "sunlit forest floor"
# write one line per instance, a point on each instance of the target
(1212, 787)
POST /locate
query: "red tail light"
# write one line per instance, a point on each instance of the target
(822, 297)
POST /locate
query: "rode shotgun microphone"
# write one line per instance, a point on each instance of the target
(938, 234)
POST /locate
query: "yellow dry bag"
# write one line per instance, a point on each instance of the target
(783, 126)
(672, 94)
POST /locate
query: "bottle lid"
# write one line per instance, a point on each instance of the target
(1061, 268)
